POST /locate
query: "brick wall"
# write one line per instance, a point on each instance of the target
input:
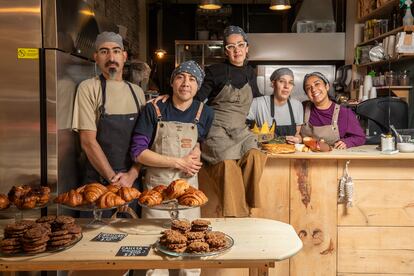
(125, 13)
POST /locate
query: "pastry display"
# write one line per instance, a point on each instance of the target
(48, 233)
(278, 145)
(178, 190)
(316, 145)
(99, 195)
(25, 197)
(193, 237)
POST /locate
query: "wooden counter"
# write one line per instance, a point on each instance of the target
(374, 237)
(256, 248)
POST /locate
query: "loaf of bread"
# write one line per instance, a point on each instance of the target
(94, 191)
(278, 148)
(193, 197)
(4, 202)
(316, 145)
(150, 198)
(109, 200)
(176, 188)
(128, 193)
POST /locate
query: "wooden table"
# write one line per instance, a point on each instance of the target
(258, 244)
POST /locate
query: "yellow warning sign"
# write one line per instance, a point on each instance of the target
(30, 53)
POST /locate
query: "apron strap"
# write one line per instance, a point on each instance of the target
(133, 95)
(157, 111)
(272, 109)
(335, 116)
(307, 113)
(103, 87)
(198, 115)
(292, 117)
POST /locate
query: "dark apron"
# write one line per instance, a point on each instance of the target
(114, 132)
(288, 130)
(229, 137)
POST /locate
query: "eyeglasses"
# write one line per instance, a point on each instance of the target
(238, 45)
(107, 51)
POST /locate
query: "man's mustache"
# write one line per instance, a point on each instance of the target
(109, 63)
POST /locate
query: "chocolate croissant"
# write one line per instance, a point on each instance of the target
(4, 202)
(94, 191)
(150, 198)
(193, 197)
(109, 200)
(128, 193)
(176, 188)
(74, 198)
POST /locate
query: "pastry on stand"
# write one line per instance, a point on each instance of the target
(175, 197)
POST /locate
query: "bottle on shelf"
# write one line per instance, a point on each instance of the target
(408, 17)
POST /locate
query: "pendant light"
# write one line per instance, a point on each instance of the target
(279, 5)
(210, 4)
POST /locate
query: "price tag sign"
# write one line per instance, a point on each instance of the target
(109, 237)
(133, 251)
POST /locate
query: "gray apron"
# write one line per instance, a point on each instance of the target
(288, 130)
(175, 139)
(330, 133)
(229, 137)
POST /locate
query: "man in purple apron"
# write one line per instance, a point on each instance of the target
(231, 150)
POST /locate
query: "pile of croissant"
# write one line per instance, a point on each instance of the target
(179, 189)
(98, 194)
(25, 197)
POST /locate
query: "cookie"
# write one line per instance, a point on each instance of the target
(19, 226)
(9, 242)
(63, 237)
(200, 222)
(35, 242)
(198, 247)
(74, 229)
(173, 246)
(11, 251)
(35, 251)
(176, 238)
(64, 220)
(217, 243)
(195, 235)
(181, 225)
(28, 248)
(59, 233)
(49, 218)
(35, 233)
(214, 234)
(60, 242)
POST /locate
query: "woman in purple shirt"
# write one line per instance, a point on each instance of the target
(324, 119)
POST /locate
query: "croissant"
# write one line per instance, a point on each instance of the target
(193, 197)
(61, 198)
(161, 189)
(81, 189)
(109, 200)
(18, 192)
(150, 198)
(93, 191)
(176, 188)
(113, 188)
(74, 198)
(27, 202)
(4, 202)
(42, 193)
(128, 193)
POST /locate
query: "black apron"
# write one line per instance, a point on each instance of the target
(288, 130)
(114, 132)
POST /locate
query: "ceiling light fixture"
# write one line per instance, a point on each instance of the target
(279, 5)
(160, 53)
(210, 4)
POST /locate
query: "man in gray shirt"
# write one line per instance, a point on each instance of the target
(279, 108)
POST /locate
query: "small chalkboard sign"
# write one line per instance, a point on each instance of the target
(133, 251)
(109, 237)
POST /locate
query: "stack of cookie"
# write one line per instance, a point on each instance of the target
(64, 232)
(47, 233)
(194, 237)
(174, 241)
(12, 235)
(35, 239)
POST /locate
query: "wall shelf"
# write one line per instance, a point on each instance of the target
(381, 62)
(384, 10)
(392, 32)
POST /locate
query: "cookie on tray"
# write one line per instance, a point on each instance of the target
(198, 247)
(181, 225)
(200, 225)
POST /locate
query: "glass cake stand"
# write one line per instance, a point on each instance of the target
(97, 220)
(18, 212)
(170, 206)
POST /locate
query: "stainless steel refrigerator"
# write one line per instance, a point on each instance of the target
(46, 50)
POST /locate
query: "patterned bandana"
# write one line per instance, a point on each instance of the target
(316, 74)
(229, 30)
(281, 72)
(108, 37)
(190, 67)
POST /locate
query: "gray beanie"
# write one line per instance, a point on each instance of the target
(229, 30)
(190, 67)
(281, 72)
(108, 37)
(316, 74)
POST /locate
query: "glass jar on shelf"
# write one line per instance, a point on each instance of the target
(404, 79)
